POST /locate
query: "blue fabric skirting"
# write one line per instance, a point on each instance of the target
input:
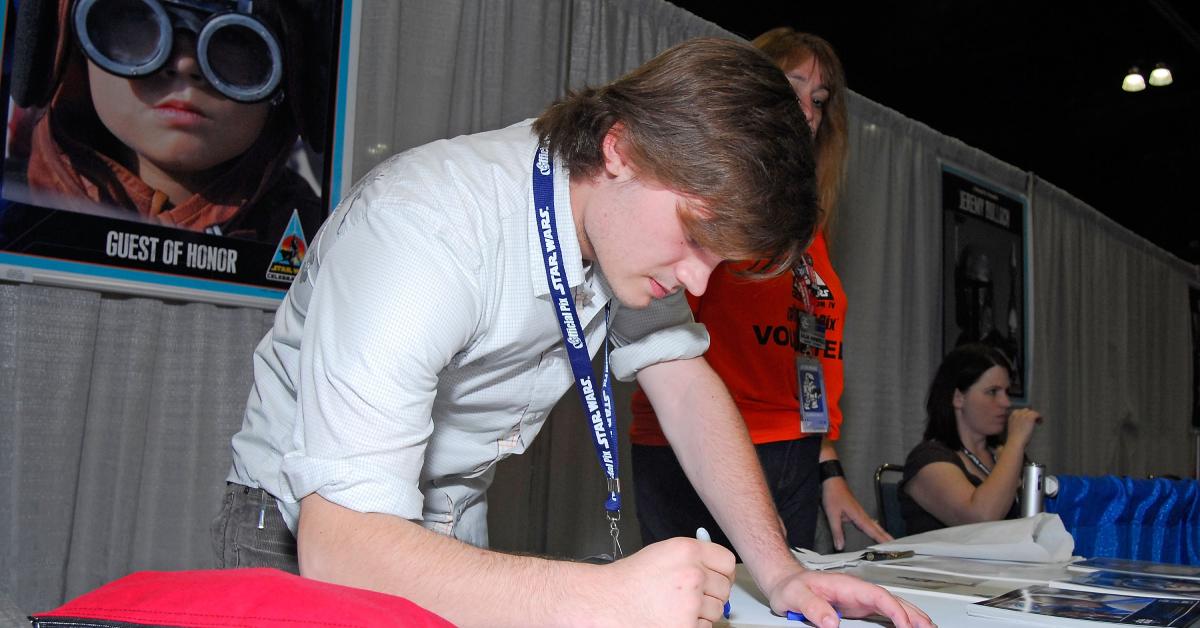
(1121, 517)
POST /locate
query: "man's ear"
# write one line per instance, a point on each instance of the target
(616, 165)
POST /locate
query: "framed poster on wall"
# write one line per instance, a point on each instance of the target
(176, 149)
(985, 270)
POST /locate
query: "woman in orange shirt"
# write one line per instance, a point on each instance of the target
(774, 342)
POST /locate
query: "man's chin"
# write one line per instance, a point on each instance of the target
(634, 301)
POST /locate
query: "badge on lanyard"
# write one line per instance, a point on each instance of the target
(814, 414)
(810, 333)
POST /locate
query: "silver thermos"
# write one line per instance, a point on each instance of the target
(1032, 488)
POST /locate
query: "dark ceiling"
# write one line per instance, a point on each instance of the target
(1036, 84)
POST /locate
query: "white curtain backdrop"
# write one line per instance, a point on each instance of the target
(1112, 342)
(116, 412)
(115, 420)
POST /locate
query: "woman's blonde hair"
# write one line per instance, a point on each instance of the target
(788, 49)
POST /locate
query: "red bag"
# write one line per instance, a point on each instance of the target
(234, 597)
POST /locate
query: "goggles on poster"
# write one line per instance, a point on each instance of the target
(238, 55)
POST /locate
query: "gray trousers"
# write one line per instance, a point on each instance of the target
(250, 532)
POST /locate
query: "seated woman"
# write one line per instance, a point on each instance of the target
(961, 473)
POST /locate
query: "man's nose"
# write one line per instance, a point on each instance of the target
(694, 272)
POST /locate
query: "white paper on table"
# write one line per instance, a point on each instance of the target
(1037, 539)
(1019, 572)
(821, 562)
(902, 581)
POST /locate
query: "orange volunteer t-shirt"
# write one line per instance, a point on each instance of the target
(752, 325)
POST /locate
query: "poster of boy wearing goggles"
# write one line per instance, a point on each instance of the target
(169, 145)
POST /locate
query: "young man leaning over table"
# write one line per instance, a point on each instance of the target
(439, 312)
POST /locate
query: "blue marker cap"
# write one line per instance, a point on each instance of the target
(794, 616)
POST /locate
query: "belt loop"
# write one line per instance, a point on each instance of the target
(262, 509)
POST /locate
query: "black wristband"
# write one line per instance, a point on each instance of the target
(830, 469)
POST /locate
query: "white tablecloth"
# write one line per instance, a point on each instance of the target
(947, 609)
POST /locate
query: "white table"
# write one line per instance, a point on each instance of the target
(749, 610)
(948, 610)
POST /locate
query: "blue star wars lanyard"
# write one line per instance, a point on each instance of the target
(600, 414)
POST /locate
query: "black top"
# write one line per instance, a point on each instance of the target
(917, 519)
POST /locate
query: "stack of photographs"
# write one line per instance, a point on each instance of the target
(1057, 606)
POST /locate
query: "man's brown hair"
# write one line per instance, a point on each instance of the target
(717, 122)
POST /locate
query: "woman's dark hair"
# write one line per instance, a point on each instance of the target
(960, 369)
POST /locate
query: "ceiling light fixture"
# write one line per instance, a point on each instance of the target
(1161, 76)
(1134, 82)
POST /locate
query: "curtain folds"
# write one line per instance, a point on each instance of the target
(430, 70)
(1112, 345)
(116, 416)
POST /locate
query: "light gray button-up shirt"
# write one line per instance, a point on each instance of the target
(418, 346)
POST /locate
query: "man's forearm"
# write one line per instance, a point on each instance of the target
(465, 584)
(710, 439)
